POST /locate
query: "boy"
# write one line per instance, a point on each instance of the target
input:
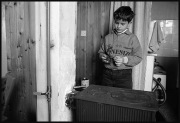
(120, 51)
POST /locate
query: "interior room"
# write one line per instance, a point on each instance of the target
(51, 69)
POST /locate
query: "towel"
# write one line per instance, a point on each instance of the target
(157, 38)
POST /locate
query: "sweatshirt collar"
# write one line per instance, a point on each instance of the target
(125, 32)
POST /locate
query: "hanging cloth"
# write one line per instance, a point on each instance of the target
(156, 38)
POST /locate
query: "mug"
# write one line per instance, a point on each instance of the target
(85, 82)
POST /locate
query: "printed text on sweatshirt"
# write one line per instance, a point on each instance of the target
(126, 44)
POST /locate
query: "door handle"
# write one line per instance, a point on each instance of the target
(39, 93)
(48, 93)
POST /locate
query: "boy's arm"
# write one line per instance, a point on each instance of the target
(102, 51)
(136, 56)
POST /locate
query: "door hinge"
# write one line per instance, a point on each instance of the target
(48, 93)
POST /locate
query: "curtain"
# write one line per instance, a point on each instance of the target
(140, 27)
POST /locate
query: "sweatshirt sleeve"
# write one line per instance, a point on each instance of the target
(136, 55)
(102, 48)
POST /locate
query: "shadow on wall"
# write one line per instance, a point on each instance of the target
(170, 64)
(15, 103)
(99, 71)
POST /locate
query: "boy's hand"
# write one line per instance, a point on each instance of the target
(118, 60)
(105, 58)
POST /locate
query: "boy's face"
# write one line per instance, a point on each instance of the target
(121, 25)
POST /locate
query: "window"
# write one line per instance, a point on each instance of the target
(169, 47)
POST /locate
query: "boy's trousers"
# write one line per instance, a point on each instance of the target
(117, 78)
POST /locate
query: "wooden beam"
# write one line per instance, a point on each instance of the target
(41, 68)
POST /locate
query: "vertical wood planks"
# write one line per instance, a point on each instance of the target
(81, 41)
(77, 44)
(96, 40)
(21, 41)
(12, 37)
(21, 61)
(17, 70)
(13, 41)
(26, 58)
(103, 30)
(8, 44)
(89, 42)
(32, 56)
(111, 16)
(94, 16)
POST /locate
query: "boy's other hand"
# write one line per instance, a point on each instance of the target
(118, 60)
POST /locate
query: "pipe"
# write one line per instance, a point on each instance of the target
(48, 60)
(163, 89)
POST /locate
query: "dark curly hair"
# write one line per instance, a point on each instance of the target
(125, 13)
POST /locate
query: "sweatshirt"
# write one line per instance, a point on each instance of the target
(125, 44)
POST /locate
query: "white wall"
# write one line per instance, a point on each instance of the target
(63, 35)
(62, 57)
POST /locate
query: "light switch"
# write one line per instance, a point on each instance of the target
(83, 32)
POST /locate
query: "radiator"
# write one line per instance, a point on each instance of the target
(103, 103)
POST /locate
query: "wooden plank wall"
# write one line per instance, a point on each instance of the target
(92, 17)
(21, 103)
